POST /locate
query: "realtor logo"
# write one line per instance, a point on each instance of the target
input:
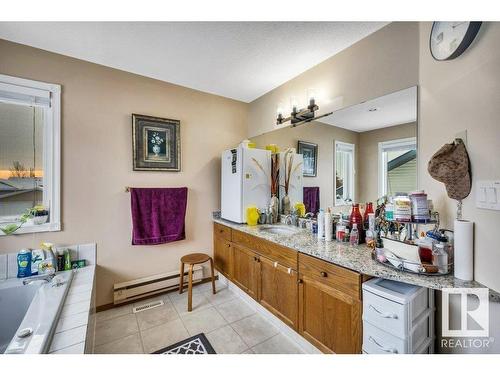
(473, 306)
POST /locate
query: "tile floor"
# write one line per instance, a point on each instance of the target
(230, 324)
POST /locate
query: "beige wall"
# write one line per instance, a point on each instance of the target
(384, 62)
(368, 157)
(457, 95)
(97, 103)
(324, 136)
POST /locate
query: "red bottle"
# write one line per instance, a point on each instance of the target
(358, 219)
(368, 210)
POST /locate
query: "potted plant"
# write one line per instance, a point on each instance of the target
(40, 215)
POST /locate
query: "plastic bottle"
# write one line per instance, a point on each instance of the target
(328, 226)
(24, 263)
(389, 210)
(321, 224)
(354, 237)
(67, 260)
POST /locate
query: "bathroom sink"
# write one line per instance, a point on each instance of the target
(279, 229)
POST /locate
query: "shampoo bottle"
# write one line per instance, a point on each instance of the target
(24, 263)
(321, 224)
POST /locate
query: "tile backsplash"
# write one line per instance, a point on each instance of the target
(8, 262)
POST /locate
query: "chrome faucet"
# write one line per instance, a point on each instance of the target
(46, 278)
(292, 219)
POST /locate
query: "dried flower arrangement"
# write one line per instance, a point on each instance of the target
(289, 156)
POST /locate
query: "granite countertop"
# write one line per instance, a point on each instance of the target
(355, 258)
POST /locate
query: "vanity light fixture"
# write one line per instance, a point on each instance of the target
(300, 116)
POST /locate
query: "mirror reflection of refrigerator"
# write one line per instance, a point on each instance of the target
(295, 189)
(245, 175)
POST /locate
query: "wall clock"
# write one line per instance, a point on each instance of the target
(449, 40)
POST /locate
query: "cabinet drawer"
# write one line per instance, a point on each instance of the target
(338, 277)
(382, 312)
(222, 231)
(376, 341)
(283, 255)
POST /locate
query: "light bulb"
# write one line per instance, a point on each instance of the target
(311, 95)
(294, 103)
(279, 109)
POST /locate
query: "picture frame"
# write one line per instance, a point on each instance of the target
(309, 152)
(156, 144)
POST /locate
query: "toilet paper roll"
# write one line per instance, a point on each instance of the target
(464, 249)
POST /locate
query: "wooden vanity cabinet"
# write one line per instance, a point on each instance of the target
(330, 306)
(246, 269)
(320, 300)
(223, 252)
(279, 291)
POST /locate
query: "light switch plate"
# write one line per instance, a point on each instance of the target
(488, 195)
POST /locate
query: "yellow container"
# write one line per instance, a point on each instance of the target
(273, 148)
(301, 209)
(252, 215)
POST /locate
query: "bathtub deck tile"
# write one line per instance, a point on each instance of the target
(73, 349)
(76, 308)
(68, 338)
(77, 297)
(72, 321)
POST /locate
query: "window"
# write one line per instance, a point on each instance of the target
(397, 166)
(344, 173)
(29, 153)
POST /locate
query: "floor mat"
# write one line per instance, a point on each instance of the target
(198, 344)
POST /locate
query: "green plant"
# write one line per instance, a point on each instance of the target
(30, 212)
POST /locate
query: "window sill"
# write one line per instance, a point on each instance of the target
(47, 227)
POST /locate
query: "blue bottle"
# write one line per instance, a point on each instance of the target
(24, 263)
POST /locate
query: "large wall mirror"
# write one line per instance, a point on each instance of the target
(363, 151)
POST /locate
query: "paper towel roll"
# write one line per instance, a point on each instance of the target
(464, 249)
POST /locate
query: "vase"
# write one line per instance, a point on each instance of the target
(156, 150)
(285, 205)
(274, 208)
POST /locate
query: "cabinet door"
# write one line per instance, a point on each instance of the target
(279, 291)
(246, 265)
(328, 318)
(223, 256)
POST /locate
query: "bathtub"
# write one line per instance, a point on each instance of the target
(33, 309)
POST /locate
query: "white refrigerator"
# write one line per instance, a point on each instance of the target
(246, 181)
(296, 186)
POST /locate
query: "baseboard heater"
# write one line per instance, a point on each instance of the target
(151, 285)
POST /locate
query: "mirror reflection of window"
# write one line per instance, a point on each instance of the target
(397, 166)
(344, 173)
(21, 159)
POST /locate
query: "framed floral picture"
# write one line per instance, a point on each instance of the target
(309, 152)
(156, 144)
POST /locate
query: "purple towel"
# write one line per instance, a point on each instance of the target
(158, 215)
(311, 199)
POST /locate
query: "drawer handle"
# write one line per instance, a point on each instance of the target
(324, 274)
(383, 315)
(221, 230)
(228, 245)
(387, 350)
(299, 281)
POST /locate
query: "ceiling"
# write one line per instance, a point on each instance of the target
(399, 107)
(239, 60)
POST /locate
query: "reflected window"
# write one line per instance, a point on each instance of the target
(344, 173)
(29, 148)
(397, 166)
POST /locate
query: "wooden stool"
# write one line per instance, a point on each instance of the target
(191, 260)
